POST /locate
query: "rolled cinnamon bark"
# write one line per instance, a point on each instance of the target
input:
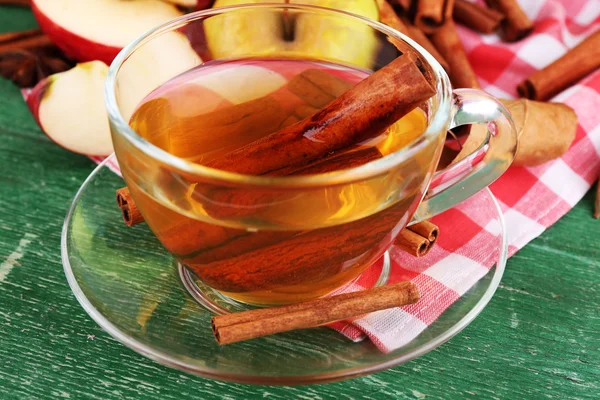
(361, 113)
(564, 72)
(129, 211)
(517, 24)
(412, 243)
(388, 16)
(299, 259)
(426, 229)
(251, 324)
(430, 15)
(477, 17)
(597, 204)
(448, 43)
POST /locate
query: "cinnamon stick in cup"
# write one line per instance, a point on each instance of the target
(361, 113)
(432, 14)
(388, 16)
(251, 324)
(448, 43)
(564, 72)
(517, 24)
(477, 17)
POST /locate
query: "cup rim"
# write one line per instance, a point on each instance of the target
(438, 120)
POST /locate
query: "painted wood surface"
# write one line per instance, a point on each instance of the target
(538, 338)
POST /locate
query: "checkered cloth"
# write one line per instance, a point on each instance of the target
(531, 199)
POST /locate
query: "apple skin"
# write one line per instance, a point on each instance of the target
(74, 46)
(204, 4)
(34, 100)
(35, 96)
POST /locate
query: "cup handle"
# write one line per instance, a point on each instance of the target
(484, 165)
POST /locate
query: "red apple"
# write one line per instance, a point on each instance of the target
(202, 4)
(98, 29)
(183, 3)
(69, 107)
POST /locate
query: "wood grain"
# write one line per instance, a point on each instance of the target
(537, 339)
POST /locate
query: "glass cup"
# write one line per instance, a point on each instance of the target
(267, 240)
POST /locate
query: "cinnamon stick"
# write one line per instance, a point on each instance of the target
(432, 14)
(517, 24)
(19, 3)
(388, 16)
(427, 229)
(564, 72)
(361, 113)
(412, 243)
(477, 17)
(251, 324)
(597, 203)
(318, 88)
(404, 5)
(448, 43)
(12, 36)
(26, 43)
(131, 214)
(299, 259)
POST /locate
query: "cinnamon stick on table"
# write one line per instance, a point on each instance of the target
(564, 72)
(388, 16)
(597, 204)
(252, 324)
(20, 3)
(12, 36)
(35, 41)
(476, 16)
(430, 15)
(516, 24)
(448, 43)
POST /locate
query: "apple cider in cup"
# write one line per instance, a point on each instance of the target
(266, 245)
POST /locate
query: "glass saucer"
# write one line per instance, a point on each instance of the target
(132, 288)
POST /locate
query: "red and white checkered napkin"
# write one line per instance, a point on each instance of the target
(531, 199)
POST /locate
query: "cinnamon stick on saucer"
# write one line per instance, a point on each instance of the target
(564, 72)
(418, 238)
(232, 328)
(129, 211)
(476, 16)
(517, 24)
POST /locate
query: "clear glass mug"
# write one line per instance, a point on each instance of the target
(268, 240)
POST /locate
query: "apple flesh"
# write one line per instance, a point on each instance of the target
(69, 107)
(99, 29)
(261, 32)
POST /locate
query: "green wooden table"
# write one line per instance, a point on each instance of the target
(538, 338)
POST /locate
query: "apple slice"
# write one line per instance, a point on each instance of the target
(99, 29)
(69, 107)
(150, 66)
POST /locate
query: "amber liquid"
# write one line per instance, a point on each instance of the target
(262, 245)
